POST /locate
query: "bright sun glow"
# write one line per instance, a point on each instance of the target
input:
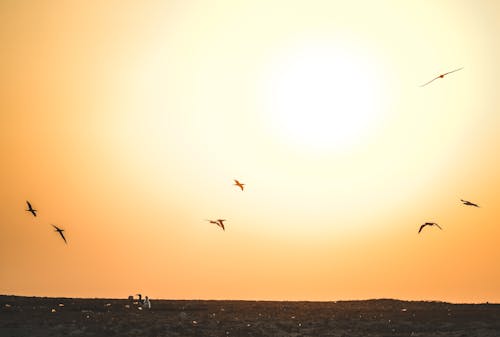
(323, 98)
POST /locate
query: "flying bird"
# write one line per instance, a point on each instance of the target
(237, 183)
(30, 209)
(218, 222)
(441, 76)
(60, 231)
(429, 224)
(468, 203)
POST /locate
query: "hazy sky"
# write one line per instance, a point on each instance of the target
(125, 123)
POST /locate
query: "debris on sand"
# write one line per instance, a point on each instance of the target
(90, 317)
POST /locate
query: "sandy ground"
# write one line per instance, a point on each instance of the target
(35, 316)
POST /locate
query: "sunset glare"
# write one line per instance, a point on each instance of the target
(125, 124)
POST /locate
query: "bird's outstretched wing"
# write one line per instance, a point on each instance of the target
(220, 222)
(29, 205)
(449, 72)
(435, 78)
(438, 226)
(62, 235)
(421, 227)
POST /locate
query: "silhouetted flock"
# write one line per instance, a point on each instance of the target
(220, 222)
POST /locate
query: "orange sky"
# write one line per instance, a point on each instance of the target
(125, 122)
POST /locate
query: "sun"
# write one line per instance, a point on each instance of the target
(322, 96)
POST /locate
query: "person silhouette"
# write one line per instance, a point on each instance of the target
(147, 303)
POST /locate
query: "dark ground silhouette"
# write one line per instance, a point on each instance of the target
(31, 316)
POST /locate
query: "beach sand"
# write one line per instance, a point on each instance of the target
(38, 316)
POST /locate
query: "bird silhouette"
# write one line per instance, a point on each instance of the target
(60, 231)
(441, 76)
(30, 209)
(468, 203)
(429, 224)
(237, 183)
(218, 222)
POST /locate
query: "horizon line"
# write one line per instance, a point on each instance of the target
(255, 300)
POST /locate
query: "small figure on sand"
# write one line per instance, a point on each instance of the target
(143, 303)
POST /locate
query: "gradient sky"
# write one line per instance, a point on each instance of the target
(125, 122)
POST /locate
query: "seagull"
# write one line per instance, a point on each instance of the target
(218, 222)
(468, 203)
(237, 183)
(429, 224)
(30, 209)
(441, 76)
(60, 231)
